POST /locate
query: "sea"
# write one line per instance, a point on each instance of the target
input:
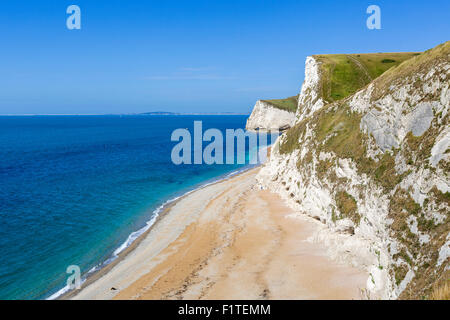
(77, 190)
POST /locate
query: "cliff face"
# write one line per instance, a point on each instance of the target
(373, 167)
(267, 117)
(310, 99)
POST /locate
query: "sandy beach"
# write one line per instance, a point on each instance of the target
(228, 240)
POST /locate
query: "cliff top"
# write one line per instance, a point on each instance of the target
(344, 74)
(288, 104)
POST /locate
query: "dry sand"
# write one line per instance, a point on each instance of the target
(228, 241)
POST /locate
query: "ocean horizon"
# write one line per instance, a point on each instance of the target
(162, 113)
(79, 190)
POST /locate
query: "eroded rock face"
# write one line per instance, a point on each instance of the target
(439, 151)
(389, 129)
(310, 99)
(392, 193)
(269, 118)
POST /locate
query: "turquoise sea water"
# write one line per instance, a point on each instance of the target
(73, 189)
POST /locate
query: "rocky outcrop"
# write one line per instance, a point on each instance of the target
(310, 99)
(373, 168)
(269, 118)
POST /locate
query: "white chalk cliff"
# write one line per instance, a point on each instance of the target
(269, 118)
(373, 169)
(310, 99)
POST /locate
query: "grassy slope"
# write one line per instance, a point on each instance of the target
(344, 74)
(288, 104)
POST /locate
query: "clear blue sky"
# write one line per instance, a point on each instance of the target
(136, 56)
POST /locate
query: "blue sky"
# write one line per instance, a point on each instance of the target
(135, 56)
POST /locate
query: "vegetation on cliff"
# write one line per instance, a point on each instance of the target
(288, 104)
(344, 74)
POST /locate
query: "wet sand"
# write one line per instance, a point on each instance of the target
(228, 241)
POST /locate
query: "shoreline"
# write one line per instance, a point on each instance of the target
(105, 266)
(219, 237)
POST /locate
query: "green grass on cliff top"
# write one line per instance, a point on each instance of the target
(344, 74)
(288, 104)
